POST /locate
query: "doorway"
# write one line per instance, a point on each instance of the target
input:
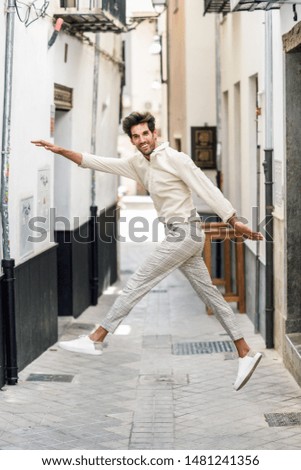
(293, 193)
(293, 203)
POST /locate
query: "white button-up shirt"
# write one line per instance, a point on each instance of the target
(169, 177)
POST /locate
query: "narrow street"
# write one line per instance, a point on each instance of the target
(156, 386)
(107, 106)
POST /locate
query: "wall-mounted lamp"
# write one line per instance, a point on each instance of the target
(159, 5)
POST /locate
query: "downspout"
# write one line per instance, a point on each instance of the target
(168, 71)
(8, 263)
(268, 171)
(218, 93)
(257, 270)
(218, 87)
(94, 278)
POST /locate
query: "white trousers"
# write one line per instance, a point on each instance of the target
(182, 248)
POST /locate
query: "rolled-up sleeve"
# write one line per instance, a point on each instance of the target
(196, 179)
(116, 166)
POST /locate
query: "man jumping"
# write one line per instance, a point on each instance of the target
(169, 177)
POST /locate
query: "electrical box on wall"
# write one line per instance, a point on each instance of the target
(26, 213)
(43, 208)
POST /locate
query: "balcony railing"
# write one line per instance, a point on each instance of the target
(93, 15)
(217, 6)
(227, 6)
(254, 5)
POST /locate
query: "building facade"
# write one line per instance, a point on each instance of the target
(261, 112)
(235, 68)
(66, 88)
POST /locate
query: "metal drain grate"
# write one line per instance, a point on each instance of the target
(283, 419)
(49, 378)
(203, 347)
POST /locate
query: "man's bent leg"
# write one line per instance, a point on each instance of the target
(169, 255)
(196, 272)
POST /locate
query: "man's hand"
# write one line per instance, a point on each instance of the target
(47, 145)
(70, 154)
(242, 230)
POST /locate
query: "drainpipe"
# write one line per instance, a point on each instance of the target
(218, 94)
(168, 67)
(257, 282)
(268, 171)
(8, 263)
(94, 279)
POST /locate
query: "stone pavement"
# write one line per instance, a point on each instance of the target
(143, 392)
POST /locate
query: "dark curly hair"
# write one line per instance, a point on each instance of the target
(138, 118)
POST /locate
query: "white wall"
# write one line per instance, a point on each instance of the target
(32, 95)
(242, 57)
(200, 76)
(145, 70)
(200, 66)
(78, 74)
(107, 124)
(243, 46)
(36, 69)
(286, 15)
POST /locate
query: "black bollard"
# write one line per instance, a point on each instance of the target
(94, 279)
(8, 266)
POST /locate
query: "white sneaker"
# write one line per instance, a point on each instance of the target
(246, 367)
(82, 344)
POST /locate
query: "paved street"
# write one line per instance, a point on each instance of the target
(149, 390)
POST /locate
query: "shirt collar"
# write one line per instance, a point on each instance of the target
(160, 147)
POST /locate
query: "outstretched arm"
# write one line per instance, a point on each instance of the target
(115, 166)
(75, 157)
(243, 230)
(201, 184)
